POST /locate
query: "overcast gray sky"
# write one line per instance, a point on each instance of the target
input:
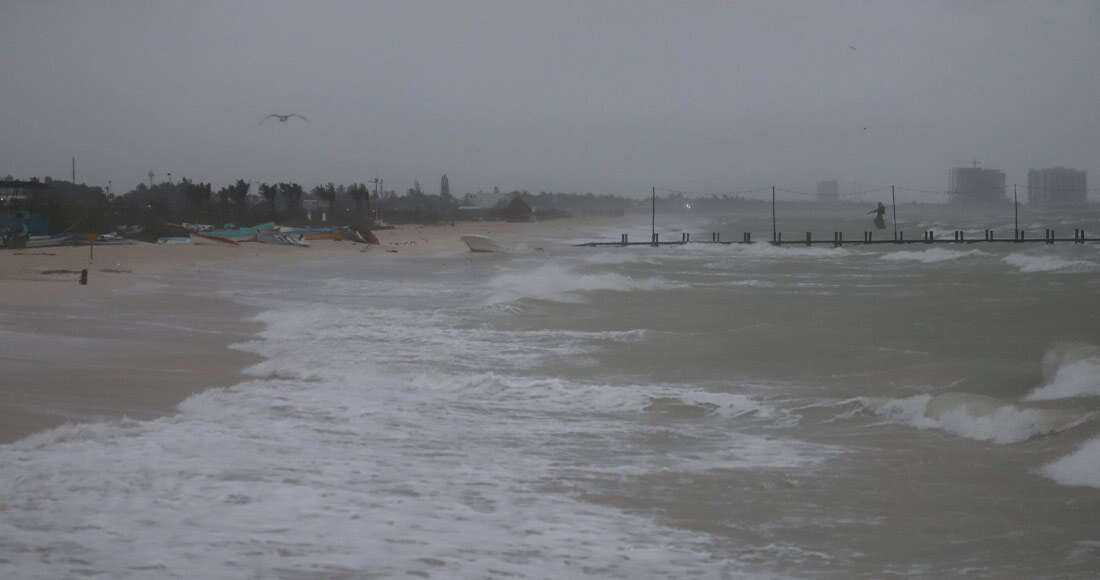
(552, 95)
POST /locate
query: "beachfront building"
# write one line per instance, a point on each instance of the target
(1056, 187)
(828, 190)
(976, 186)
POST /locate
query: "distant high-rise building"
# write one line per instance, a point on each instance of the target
(1056, 186)
(444, 186)
(828, 190)
(976, 185)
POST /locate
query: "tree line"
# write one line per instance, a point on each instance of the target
(159, 208)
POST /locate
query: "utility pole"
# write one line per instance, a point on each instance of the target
(375, 196)
(894, 203)
(653, 219)
(774, 237)
(1016, 210)
(74, 169)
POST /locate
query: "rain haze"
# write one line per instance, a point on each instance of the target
(606, 97)
(757, 296)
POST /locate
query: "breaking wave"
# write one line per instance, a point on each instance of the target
(558, 283)
(1082, 467)
(931, 256)
(975, 416)
(1030, 263)
(1069, 370)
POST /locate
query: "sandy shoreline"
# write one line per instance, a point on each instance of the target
(138, 338)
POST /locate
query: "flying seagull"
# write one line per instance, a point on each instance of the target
(284, 118)
(851, 47)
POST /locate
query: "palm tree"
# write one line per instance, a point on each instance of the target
(328, 194)
(269, 192)
(238, 193)
(359, 193)
(293, 194)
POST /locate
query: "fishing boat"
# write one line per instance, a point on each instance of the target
(337, 233)
(197, 238)
(478, 243)
(247, 234)
(46, 241)
(282, 239)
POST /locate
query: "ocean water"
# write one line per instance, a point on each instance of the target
(562, 412)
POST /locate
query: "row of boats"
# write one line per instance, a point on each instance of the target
(267, 233)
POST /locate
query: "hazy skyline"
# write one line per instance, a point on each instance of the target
(608, 97)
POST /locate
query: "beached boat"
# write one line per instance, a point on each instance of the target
(248, 234)
(478, 243)
(197, 238)
(280, 238)
(337, 233)
(174, 240)
(46, 241)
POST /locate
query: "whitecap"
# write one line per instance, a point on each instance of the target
(1069, 370)
(1082, 467)
(975, 416)
(1030, 263)
(558, 283)
(930, 256)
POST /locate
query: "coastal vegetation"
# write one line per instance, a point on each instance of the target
(158, 208)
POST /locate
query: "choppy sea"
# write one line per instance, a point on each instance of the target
(701, 411)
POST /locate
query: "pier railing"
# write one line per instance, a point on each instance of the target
(926, 237)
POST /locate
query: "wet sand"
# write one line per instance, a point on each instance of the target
(135, 357)
(139, 338)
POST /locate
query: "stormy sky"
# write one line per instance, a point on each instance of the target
(561, 96)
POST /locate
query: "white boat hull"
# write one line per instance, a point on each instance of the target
(481, 243)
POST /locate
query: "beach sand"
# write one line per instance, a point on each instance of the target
(139, 338)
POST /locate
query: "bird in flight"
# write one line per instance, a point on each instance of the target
(284, 118)
(851, 47)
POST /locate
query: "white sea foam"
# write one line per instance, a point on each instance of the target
(356, 451)
(975, 416)
(559, 283)
(792, 250)
(1082, 467)
(1030, 263)
(621, 256)
(931, 256)
(1069, 370)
